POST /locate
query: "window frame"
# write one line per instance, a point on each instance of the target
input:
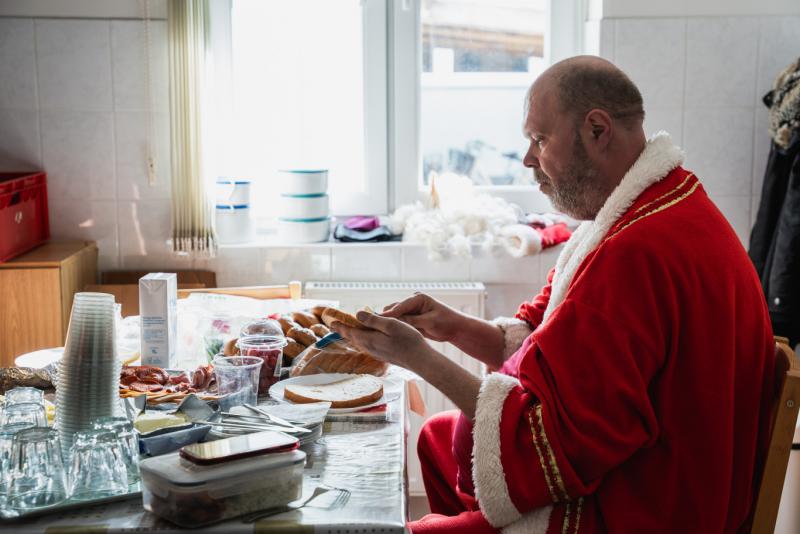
(564, 38)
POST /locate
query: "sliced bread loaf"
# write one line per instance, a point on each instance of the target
(351, 392)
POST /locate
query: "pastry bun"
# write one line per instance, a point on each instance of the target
(305, 319)
(292, 348)
(304, 336)
(320, 330)
(287, 323)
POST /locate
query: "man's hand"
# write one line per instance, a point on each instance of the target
(396, 342)
(433, 319)
(387, 339)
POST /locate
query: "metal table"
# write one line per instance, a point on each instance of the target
(367, 458)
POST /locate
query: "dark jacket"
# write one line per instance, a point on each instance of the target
(775, 239)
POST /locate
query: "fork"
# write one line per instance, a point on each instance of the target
(319, 490)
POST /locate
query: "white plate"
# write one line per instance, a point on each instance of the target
(276, 391)
(39, 359)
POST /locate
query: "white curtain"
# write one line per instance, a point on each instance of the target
(192, 213)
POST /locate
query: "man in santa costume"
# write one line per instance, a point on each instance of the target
(632, 393)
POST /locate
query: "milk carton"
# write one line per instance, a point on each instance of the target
(158, 303)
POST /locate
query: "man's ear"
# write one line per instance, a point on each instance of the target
(598, 123)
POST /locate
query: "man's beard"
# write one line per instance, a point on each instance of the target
(577, 192)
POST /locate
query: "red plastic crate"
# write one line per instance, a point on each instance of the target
(24, 222)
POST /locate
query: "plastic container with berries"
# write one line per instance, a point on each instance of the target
(192, 495)
(270, 349)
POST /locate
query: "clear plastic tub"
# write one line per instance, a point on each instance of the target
(191, 495)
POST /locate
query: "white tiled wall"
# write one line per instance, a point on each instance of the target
(73, 100)
(702, 79)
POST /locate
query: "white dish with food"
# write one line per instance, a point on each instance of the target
(277, 391)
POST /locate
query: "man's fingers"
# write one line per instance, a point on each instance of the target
(409, 306)
(375, 322)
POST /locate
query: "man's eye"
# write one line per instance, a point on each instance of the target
(538, 141)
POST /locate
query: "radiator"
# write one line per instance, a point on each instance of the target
(467, 297)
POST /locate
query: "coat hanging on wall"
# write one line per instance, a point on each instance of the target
(775, 239)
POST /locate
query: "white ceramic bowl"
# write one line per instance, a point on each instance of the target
(304, 231)
(303, 206)
(303, 181)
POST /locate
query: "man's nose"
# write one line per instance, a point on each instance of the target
(530, 160)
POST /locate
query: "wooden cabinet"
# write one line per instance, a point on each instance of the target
(36, 291)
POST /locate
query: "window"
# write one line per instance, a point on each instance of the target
(382, 93)
(308, 90)
(478, 60)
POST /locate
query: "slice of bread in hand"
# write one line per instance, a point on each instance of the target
(350, 392)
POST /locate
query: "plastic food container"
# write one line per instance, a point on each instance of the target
(270, 350)
(233, 192)
(234, 224)
(303, 206)
(304, 230)
(303, 181)
(191, 495)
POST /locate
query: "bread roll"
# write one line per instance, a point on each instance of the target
(349, 392)
(304, 336)
(287, 323)
(230, 348)
(317, 311)
(332, 314)
(320, 330)
(305, 319)
(292, 348)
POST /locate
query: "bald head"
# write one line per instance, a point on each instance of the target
(582, 83)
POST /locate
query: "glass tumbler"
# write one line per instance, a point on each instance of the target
(7, 434)
(37, 471)
(97, 466)
(123, 429)
(237, 377)
(24, 394)
(24, 412)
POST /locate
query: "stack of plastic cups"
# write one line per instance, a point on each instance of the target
(233, 221)
(88, 379)
(303, 215)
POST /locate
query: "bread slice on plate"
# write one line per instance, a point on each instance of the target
(350, 392)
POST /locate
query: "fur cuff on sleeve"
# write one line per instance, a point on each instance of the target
(491, 489)
(515, 331)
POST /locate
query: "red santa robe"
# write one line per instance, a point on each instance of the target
(638, 401)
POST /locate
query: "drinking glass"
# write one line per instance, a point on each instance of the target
(37, 471)
(7, 434)
(237, 377)
(97, 466)
(24, 394)
(24, 412)
(123, 429)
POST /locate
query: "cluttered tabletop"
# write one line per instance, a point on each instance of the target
(280, 425)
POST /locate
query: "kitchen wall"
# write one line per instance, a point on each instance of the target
(703, 67)
(73, 101)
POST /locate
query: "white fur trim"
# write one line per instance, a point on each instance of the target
(534, 522)
(515, 332)
(521, 240)
(491, 489)
(657, 159)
